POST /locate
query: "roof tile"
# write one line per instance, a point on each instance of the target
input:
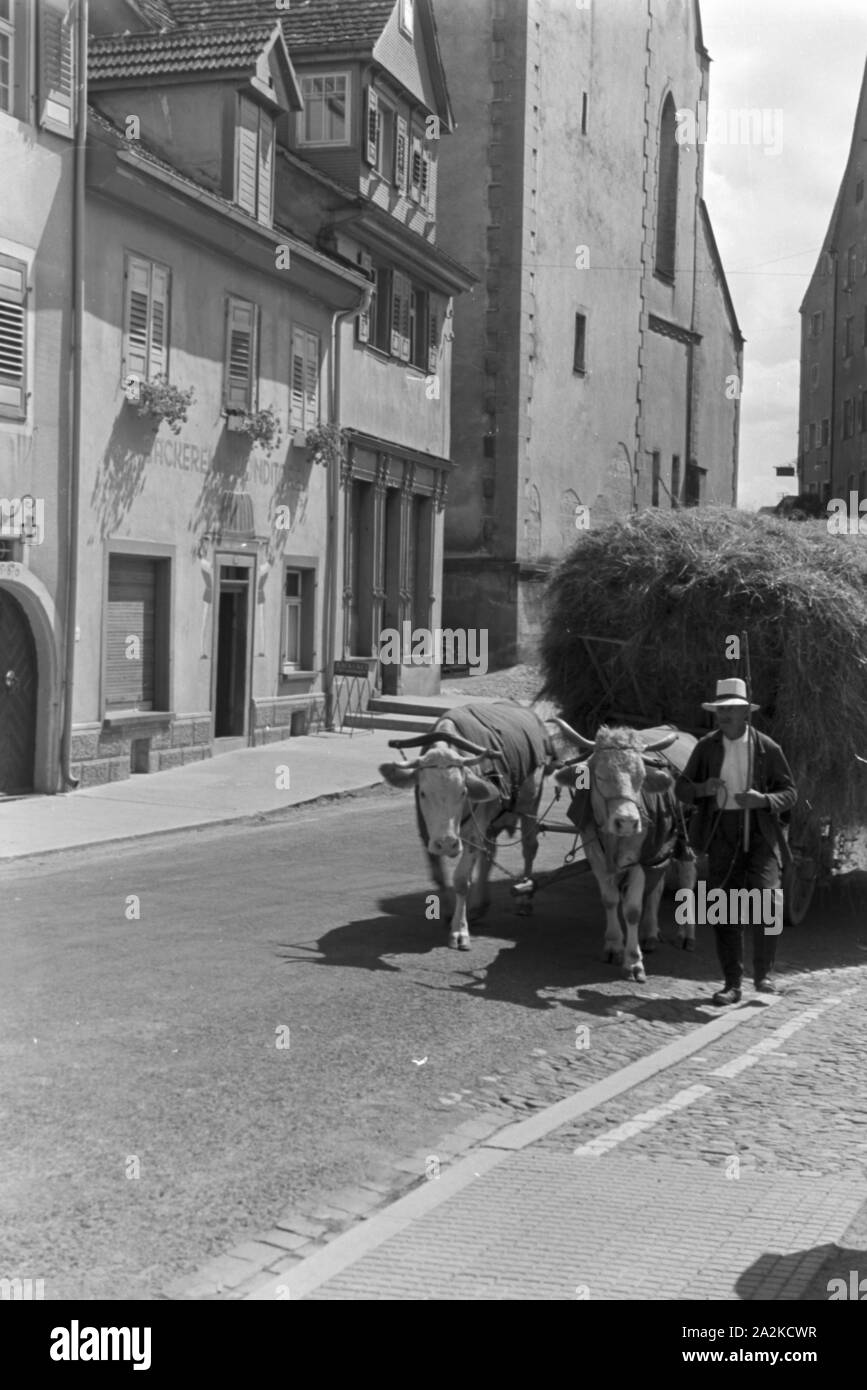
(306, 24)
(133, 56)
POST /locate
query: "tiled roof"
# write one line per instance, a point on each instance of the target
(176, 51)
(306, 24)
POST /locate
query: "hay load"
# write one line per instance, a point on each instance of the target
(673, 587)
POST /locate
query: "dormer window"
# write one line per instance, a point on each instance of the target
(325, 118)
(254, 161)
(407, 15)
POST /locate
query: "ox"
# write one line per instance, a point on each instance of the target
(630, 826)
(464, 799)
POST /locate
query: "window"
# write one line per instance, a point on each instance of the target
(371, 126)
(136, 635)
(254, 160)
(816, 324)
(57, 66)
(407, 15)
(848, 335)
(851, 262)
(291, 646)
(580, 344)
(826, 430)
(654, 479)
(296, 620)
(7, 55)
(325, 118)
(380, 310)
(13, 339)
(385, 155)
(416, 168)
(418, 329)
(848, 418)
(304, 405)
(666, 199)
(146, 319)
(812, 435)
(239, 367)
(675, 480)
(401, 299)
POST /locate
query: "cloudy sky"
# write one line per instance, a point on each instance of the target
(770, 212)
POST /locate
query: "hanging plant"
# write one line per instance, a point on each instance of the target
(326, 443)
(162, 401)
(261, 426)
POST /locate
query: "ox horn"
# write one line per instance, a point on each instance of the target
(573, 734)
(424, 741)
(660, 743)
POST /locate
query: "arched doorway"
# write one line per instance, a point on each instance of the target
(18, 692)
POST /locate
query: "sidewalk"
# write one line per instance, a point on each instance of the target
(231, 787)
(657, 1193)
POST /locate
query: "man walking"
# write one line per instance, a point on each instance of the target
(733, 769)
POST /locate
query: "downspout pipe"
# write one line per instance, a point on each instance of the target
(68, 782)
(332, 593)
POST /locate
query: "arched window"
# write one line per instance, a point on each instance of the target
(666, 197)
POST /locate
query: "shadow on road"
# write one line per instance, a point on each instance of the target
(812, 1272)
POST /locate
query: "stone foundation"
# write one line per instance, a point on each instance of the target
(138, 743)
(286, 716)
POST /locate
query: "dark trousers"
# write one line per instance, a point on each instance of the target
(729, 867)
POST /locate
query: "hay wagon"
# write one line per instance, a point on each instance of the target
(811, 836)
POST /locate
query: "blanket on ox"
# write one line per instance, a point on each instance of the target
(515, 732)
(663, 838)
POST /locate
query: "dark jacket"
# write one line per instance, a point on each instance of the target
(771, 775)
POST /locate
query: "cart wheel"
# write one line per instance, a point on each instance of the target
(799, 883)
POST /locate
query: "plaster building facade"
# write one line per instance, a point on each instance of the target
(832, 424)
(599, 363)
(38, 60)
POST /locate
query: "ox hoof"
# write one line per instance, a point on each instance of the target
(613, 957)
(636, 973)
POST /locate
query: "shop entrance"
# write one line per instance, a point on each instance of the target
(232, 657)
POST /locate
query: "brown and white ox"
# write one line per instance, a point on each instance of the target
(456, 808)
(629, 830)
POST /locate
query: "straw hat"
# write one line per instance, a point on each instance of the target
(730, 694)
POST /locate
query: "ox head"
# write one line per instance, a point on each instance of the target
(618, 775)
(446, 789)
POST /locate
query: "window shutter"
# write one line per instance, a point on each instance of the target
(426, 165)
(131, 613)
(415, 172)
(371, 126)
(57, 66)
(296, 408)
(400, 303)
(433, 336)
(158, 363)
(266, 169)
(246, 167)
(13, 339)
(401, 143)
(137, 316)
(362, 322)
(311, 381)
(240, 354)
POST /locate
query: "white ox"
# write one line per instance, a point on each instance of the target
(629, 831)
(457, 808)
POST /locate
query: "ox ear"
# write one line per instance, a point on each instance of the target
(398, 774)
(479, 790)
(566, 776)
(657, 779)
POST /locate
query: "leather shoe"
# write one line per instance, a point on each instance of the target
(766, 986)
(727, 996)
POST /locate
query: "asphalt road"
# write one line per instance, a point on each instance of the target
(279, 1017)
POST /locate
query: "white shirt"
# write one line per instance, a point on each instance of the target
(735, 768)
